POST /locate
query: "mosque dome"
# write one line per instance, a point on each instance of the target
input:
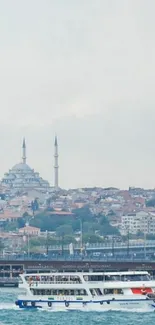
(22, 167)
(21, 176)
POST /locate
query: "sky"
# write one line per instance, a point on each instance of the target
(84, 70)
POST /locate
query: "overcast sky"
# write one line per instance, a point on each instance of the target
(84, 69)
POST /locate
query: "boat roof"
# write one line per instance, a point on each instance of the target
(85, 273)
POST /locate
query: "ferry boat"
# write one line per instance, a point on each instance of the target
(87, 291)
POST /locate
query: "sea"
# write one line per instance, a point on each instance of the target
(11, 314)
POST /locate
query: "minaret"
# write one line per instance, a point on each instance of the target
(56, 167)
(24, 151)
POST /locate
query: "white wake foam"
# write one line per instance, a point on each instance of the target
(88, 310)
(8, 306)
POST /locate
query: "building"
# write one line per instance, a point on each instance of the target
(138, 222)
(31, 231)
(9, 215)
(22, 177)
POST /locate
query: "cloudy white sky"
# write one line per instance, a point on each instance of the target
(84, 69)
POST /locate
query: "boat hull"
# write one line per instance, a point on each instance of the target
(114, 304)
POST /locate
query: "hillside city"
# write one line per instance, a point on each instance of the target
(34, 216)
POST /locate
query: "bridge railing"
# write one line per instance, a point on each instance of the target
(108, 245)
(108, 258)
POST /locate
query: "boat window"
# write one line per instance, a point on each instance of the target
(113, 291)
(93, 278)
(42, 292)
(145, 277)
(112, 277)
(117, 277)
(54, 278)
(67, 279)
(59, 292)
(135, 277)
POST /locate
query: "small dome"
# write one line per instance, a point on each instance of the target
(21, 166)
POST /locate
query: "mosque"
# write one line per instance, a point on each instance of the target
(22, 177)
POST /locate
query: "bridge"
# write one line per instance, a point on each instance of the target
(10, 269)
(121, 246)
(130, 248)
(15, 267)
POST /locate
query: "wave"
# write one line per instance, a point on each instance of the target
(89, 310)
(8, 306)
(12, 306)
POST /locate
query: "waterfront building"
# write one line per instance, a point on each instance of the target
(138, 222)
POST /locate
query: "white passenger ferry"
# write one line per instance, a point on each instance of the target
(88, 291)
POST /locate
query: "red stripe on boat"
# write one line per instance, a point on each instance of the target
(141, 290)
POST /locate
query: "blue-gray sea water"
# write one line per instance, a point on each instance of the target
(10, 314)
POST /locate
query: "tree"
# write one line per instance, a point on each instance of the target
(51, 241)
(92, 238)
(46, 221)
(68, 239)
(90, 227)
(21, 222)
(11, 226)
(64, 230)
(35, 242)
(150, 236)
(84, 214)
(139, 234)
(106, 228)
(34, 205)
(150, 203)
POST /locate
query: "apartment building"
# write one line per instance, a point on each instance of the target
(135, 222)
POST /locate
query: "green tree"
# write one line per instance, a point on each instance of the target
(51, 241)
(68, 239)
(11, 226)
(90, 227)
(35, 242)
(106, 228)
(150, 236)
(92, 238)
(38, 241)
(84, 214)
(150, 203)
(64, 230)
(46, 221)
(139, 234)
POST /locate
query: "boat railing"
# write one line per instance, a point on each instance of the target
(60, 297)
(120, 280)
(106, 281)
(54, 282)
